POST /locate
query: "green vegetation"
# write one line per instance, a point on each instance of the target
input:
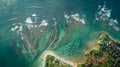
(96, 53)
(107, 55)
(51, 61)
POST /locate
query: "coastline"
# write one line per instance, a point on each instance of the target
(46, 53)
(95, 47)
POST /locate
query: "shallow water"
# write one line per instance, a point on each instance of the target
(71, 26)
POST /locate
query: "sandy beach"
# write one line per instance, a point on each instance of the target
(46, 53)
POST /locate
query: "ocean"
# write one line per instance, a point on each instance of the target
(29, 27)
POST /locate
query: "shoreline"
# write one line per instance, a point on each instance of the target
(46, 53)
(94, 47)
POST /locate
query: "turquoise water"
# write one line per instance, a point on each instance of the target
(69, 38)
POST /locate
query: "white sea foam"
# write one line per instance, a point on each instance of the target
(116, 28)
(22, 38)
(34, 15)
(75, 17)
(12, 19)
(17, 27)
(55, 21)
(103, 11)
(30, 26)
(104, 15)
(20, 28)
(36, 7)
(54, 18)
(44, 23)
(83, 21)
(28, 20)
(66, 16)
(12, 29)
(115, 21)
(111, 23)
